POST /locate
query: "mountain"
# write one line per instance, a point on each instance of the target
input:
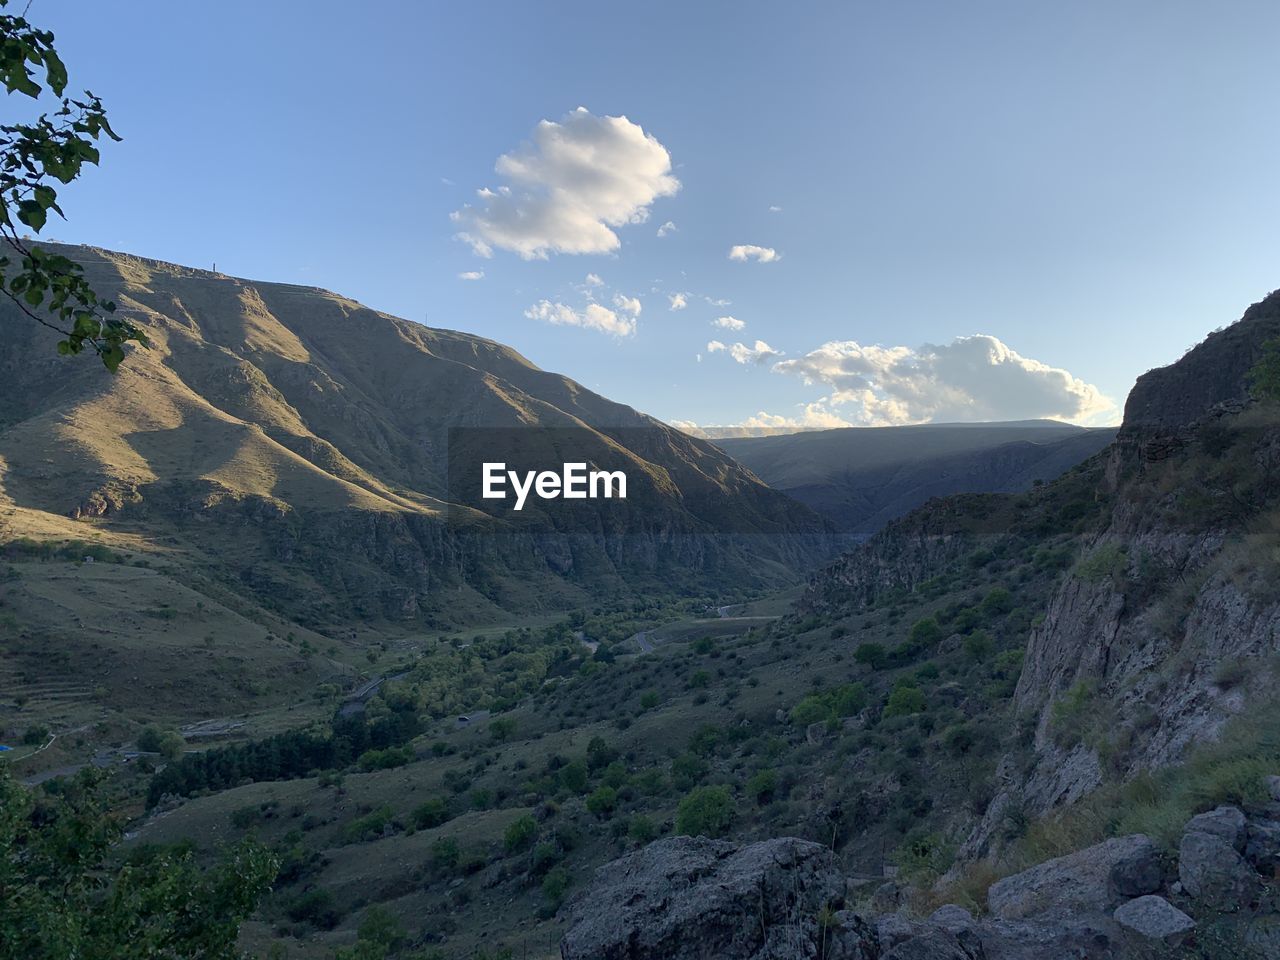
(862, 477)
(307, 449)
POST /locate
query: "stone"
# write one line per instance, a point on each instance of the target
(937, 945)
(1262, 846)
(851, 938)
(1155, 920)
(815, 732)
(1272, 784)
(1226, 823)
(887, 898)
(1095, 879)
(687, 898)
(952, 918)
(1213, 873)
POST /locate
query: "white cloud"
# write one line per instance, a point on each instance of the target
(813, 416)
(666, 228)
(568, 187)
(749, 251)
(761, 352)
(471, 275)
(717, 303)
(728, 323)
(970, 379)
(593, 280)
(678, 301)
(775, 209)
(593, 317)
(628, 305)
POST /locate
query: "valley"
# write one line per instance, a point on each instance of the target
(229, 584)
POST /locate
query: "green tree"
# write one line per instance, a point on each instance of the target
(1264, 378)
(66, 895)
(706, 811)
(34, 156)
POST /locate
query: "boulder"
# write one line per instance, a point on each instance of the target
(1096, 879)
(935, 944)
(1214, 873)
(887, 898)
(952, 918)
(687, 898)
(850, 938)
(1225, 823)
(1153, 920)
(1273, 787)
(1262, 846)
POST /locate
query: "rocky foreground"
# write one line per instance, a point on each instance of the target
(689, 898)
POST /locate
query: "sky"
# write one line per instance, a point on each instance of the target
(801, 214)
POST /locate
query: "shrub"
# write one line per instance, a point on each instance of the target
(873, 655)
(641, 829)
(602, 802)
(978, 645)
(762, 785)
(904, 701)
(520, 833)
(707, 811)
(445, 853)
(430, 813)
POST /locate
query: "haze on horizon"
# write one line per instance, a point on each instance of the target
(727, 215)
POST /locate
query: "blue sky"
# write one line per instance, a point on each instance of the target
(1090, 187)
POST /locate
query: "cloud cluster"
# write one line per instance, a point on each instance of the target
(970, 379)
(628, 305)
(749, 251)
(728, 323)
(568, 187)
(666, 228)
(471, 275)
(592, 317)
(678, 301)
(758, 354)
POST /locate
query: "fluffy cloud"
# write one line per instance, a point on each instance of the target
(970, 379)
(678, 301)
(592, 317)
(593, 280)
(666, 228)
(728, 323)
(627, 305)
(471, 275)
(775, 208)
(568, 187)
(813, 416)
(760, 353)
(749, 251)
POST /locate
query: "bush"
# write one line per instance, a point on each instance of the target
(873, 655)
(602, 802)
(430, 813)
(445, 853)
(641, 829)
(762, 785)
(520, 834)
(707, 811)
(978, 645)
(904, 701)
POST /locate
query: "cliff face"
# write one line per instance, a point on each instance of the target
(1167, 622)
(1170, 398)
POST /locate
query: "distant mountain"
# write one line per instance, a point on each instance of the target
(862, 477)
(300, 443)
